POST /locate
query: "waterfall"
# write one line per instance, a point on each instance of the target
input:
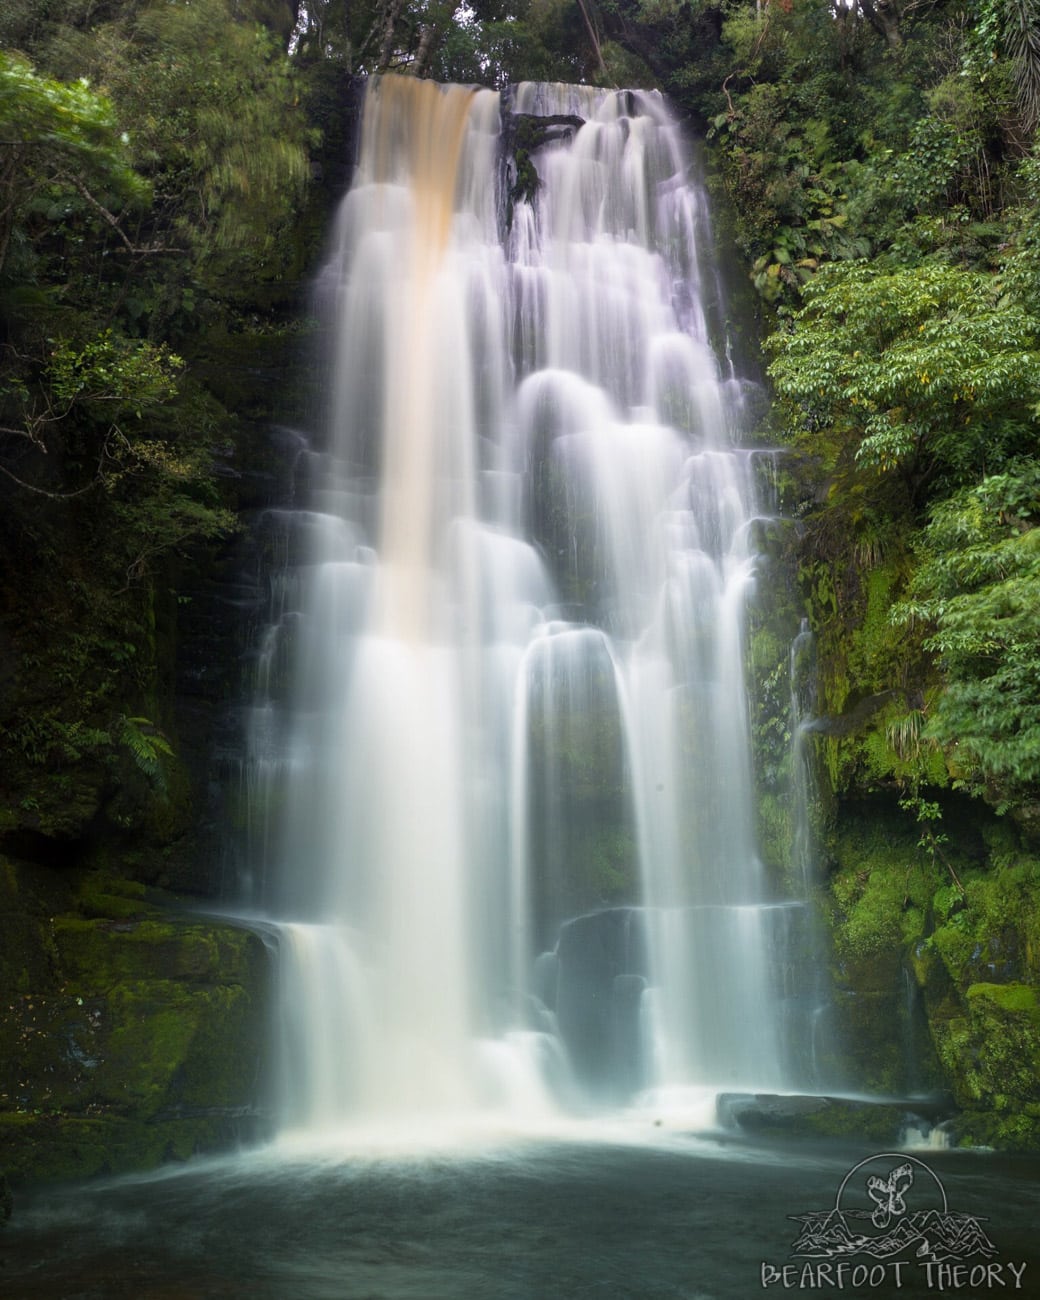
(802, 678)
(515, 859)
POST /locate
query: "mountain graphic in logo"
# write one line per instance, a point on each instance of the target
(886, 1227)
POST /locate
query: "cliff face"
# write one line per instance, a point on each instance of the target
(131, 1031)
(930, 895)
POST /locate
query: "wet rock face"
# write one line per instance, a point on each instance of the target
(601, 972)
(139, 1041)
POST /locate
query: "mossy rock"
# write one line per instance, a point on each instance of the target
(1015, 999)
(1019, 1131)
(51, 1148)
(774, 826)
(881, 886)
(990, 931)
(991, 1051)
(873, 1051)
(55, 806)
(880, 1124)
(101, 953)
(101, 894)
(139, 1019)
(880, 893)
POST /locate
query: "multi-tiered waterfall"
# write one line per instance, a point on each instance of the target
(515, 630)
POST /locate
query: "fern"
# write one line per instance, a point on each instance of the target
(147, 747)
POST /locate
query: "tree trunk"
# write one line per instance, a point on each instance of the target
(883, 16)
(386, 48)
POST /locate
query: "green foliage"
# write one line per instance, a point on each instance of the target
(1012, 28)
(66, 126)
(214, 117)
(790, 188)
(925, 372)
(487, 42)
(122, 375)
(147, 747)
(976, 591)
(62, 153)
(155, 158)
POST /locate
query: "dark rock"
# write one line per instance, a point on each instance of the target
(800, 1116)
(602, 970)
(140, 1040)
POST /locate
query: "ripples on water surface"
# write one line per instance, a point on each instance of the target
(612, 1216)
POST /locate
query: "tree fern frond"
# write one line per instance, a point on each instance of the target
(1022, 43)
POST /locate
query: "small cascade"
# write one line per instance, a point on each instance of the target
(808, 1012)
(802, 678)
(505, 798)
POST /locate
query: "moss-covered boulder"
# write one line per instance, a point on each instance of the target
(136, 1037)
(990, 1046)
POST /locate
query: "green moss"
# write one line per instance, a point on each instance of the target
(154, 1026)
(1016, 1132)
(766, 651)
(874, 1125)
(774, 830)
(1014, 998)
(871, 1053)
(933, 980)
(100, 953)
(992, 1053)
(871, 675)
(40, 1149)
(994, 927)
(775, 617)
(142, 1020)
(101, 894)
(876, 649)
(882, 889)
(879, 892)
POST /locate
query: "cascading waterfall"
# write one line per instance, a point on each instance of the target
(518, 696)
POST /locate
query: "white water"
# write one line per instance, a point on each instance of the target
(517, 637)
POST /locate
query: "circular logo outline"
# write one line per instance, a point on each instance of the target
(902, 1156)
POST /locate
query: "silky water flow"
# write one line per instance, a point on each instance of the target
(504, 807)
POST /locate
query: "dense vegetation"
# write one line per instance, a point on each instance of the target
(165, 172)
(153, 157)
